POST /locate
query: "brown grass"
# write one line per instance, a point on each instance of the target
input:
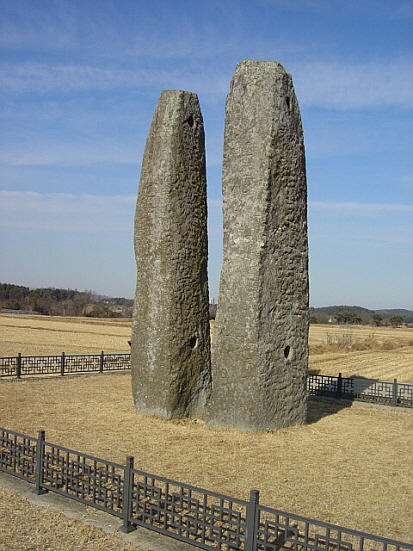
(358, 351)
(373, 352)
(25, 526)
(43, 335)
(349, 465)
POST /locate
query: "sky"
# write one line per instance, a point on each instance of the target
(80, 83)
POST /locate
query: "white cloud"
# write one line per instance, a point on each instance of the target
(37, 78)
(358, 208)
(67, 212)
(354, 86)
(181, 46)
(323, 84)
(59, 153)
(368, 226)
(43, 78)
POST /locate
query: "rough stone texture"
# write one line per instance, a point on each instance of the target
(170, 354)
(260, 352)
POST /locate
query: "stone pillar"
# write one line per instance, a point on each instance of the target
(170, 350)
(260, 351)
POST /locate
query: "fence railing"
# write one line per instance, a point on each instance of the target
(370, 390)
(62, 364)
(205, 519)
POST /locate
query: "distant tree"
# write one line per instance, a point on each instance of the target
(344, 317)
(61, 302)
(8, 291)
(96, 311)
(348, 318)
(314, 319)
(396, 321)
(377, 320)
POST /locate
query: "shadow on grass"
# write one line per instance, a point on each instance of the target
(319, 407)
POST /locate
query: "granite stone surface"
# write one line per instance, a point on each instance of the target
(260, 351)
(170, 350)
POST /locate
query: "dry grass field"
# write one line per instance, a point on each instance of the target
(384, 353)
(348, 465)
(43, 335)
(372, 352)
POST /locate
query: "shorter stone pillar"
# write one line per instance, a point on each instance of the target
(170, 349)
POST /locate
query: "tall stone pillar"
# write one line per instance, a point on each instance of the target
(260, 351)
(170, 354)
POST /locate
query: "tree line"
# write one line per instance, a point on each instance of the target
(62, 302)
(356, 315)
(69, 302)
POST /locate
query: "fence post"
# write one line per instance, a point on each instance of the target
(251, 521)
(62, 365)
(339, 385)
(127, 526)
(19, 366)
(102, 359)
(39, 464)
(394, 394)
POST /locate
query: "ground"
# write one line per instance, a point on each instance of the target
(347, 465)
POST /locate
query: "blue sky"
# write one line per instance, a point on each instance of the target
(80, 84)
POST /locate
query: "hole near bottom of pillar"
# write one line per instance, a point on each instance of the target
(193, 342)
(288, 352)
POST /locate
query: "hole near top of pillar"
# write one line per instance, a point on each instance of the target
(190, 121)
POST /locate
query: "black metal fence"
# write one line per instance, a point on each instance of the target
(207, 520)
(62, 364)
(370, 390)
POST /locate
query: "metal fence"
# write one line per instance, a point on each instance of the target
(370, 390)
(207, 520)
(63, 364)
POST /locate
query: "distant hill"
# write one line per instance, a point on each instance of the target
(394, 312)
(327, 313)
(333, 310)
(68, 302)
